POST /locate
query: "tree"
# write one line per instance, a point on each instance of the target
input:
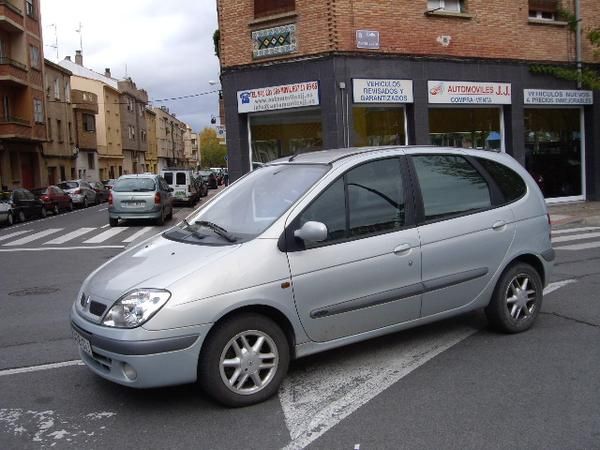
(212, 153)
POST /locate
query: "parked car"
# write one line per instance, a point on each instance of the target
(373, 242)
(182, 182)
(80, 192)
(201, 185)
(209, 178)
(54, 198)
(140, 197)
(20, 205)
(219, 174)
(108, 184)
(101, 191)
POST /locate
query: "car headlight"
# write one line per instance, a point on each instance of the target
(135, 308)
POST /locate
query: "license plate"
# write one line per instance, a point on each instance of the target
(133, 204)
(180, 194)
(83, 343)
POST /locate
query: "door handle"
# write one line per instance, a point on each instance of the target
(402, 249)
(498, 226)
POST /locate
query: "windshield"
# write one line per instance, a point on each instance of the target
(69, 185)
(134, 185)
(249, 206)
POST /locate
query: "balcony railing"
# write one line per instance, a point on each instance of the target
(5, 60)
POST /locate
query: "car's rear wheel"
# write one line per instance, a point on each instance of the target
(244, 360)
(43, 212)
(161, 219)
(85, 202)
(113, 222)
(56, 209)
(517, 299)
(71, 208)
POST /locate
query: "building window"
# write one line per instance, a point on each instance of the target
(70, 133)
(50, 130)
(67, 91)
(264, 8)
(34, 56)
(91, 161)
(38, 111)
(57, 89)
(143, 135)
(29, 9)
(59, 131)
(89, 122)
(456, 6)
(543, 9)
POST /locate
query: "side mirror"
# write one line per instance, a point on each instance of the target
(312, 232)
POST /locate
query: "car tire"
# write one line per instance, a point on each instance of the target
(56, 209)
(170, 215)
(161, 219)
(85, 202)
(517, 299)
(21, 216)
(237, 336)
(113, 222)
(71, 207)
(10, 219)
(43, 212)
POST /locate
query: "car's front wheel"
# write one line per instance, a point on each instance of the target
(10, 219)
(21, 216)
(517, 299)
(56, 209)
(244, 360)
(43, 212)
(113, 222)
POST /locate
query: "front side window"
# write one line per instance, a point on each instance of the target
(450, 186)
(367, 200)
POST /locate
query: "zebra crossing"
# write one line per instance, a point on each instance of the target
(574, 239)
(80, 238)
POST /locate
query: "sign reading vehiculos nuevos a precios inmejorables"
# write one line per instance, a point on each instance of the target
(469, 92)
(557, 97)
(279, 97)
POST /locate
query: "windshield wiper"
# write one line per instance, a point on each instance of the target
(217, 229)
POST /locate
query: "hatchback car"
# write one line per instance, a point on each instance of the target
(144, 196)
(101, 191)
(312, 253)
(209, 178)
(54, 198)
(19, 205)
(80, 191)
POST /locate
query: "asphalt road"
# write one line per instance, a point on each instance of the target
(448, 385)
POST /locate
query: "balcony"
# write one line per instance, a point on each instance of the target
(11, 17)
(15, 128)
(13, 72)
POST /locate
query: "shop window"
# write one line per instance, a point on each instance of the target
(456, 6)
(450, 186)
(553, 150)
(477, 128)
(285, 134)
(264, 8)
(543, 9)
(378, 126)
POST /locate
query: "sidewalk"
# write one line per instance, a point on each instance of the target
(586, 213)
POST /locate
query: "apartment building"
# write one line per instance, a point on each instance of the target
(152, 153)
(134, 130)
(22, 105)
(59, 150)
(85, 109)
(300, 75)
(190, 147)
(169, 138)
(108, 121)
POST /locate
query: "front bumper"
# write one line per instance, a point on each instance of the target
(156, 358)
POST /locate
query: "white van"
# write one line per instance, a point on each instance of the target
(184, 187)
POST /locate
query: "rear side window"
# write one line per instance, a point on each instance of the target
(510, 183)
(180, 178)
(450, 186)
(168, 177)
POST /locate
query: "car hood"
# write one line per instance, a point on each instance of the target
(156, 263)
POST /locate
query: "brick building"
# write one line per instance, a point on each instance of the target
(85, 108)
(300, 75)
(134, 130)
(22, 105)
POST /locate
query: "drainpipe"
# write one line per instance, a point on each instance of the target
(578, 41)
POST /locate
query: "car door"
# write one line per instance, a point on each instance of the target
(464, 238)
(366, 274)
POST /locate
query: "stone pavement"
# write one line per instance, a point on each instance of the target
(586, 213)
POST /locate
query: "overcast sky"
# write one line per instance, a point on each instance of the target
(165, 46)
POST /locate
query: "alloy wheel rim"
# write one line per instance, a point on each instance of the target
(21, 216)
(521, 297)
(248, 362)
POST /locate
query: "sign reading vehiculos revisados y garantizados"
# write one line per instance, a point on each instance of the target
(469, 92)
(285, 96)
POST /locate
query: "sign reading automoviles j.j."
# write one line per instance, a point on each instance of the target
(279, 97)
(382, 91)
(469, 92)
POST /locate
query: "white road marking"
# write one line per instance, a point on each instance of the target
(33, 237)
(89, 247)
(76, 362)
(105, 226)
(103, 209)
(16, 233)
(318, 397)
(136, 235)
(575, 237)
(69, 236)
(574, 230)
(584, 246)
(104, 236)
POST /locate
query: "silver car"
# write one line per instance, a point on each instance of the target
(80, 191)
(144, 196)
(314, 252)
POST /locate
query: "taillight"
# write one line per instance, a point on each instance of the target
(77, 192)
(45, 198)
(157, 198)
(110, 198)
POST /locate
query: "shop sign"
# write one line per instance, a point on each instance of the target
(470, 93)
(382, 91)
(557, 97)
(279, 97)
(367, 39)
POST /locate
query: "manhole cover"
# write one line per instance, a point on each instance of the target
(34, 291)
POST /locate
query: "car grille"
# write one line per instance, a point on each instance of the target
(96, 308)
